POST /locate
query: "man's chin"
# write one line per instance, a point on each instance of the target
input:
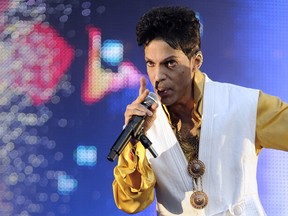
(166, 101)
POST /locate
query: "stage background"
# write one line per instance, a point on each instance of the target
(68, 68)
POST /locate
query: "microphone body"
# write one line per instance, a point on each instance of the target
(133, 130)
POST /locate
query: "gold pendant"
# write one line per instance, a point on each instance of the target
(199, 200)
(196, 168)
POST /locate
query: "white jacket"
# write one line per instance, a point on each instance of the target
(226, 147)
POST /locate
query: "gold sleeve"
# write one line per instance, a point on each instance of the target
(127, 198)
(272, 123)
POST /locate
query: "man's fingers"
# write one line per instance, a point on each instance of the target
(154, 106)
(136, 109)
(142, 85)
(141, 97)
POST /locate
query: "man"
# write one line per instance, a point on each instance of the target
(207, 134)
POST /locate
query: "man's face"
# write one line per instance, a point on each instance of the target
(170, 72)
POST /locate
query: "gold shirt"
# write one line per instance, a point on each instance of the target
(271, 132)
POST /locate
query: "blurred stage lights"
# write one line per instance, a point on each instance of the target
(31, 50)
(66, 184)
(85, 155)
(112, 52)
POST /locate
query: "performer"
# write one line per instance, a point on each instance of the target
(208, 134)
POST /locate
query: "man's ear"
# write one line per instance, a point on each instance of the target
(198, 60)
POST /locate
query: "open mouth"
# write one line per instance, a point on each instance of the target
(162, 92)
(161, 89)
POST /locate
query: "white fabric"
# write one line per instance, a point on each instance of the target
(227, 149)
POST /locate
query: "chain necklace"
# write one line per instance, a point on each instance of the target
(196, 169)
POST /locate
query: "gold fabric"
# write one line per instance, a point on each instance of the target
(271, 132)
(272, 123)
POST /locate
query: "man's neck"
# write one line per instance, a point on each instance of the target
(181, 111)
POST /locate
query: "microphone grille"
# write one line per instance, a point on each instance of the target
(150, 99)
(153, 96)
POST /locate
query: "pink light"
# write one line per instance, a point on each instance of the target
(100, 82)
(44, 57)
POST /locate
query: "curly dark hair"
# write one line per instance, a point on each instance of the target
(177, 26)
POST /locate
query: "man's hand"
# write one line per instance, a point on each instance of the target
(136, 108)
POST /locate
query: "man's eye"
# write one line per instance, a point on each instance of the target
(149, 64)
(171, 63)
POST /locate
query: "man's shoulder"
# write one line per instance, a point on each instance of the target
(225, 85)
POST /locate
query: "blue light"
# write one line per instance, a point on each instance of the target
(85, 155)
(66, 184)
(112, 52)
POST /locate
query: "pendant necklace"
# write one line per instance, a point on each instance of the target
(196, 169)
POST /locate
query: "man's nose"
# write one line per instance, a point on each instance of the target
(160, 74)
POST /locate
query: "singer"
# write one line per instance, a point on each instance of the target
(207, 134)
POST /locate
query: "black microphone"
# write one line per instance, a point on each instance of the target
(134, 129)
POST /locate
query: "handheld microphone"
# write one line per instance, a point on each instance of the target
(134, 130)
